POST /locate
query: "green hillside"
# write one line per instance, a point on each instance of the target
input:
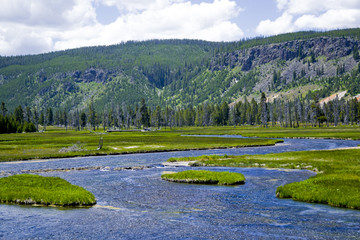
(181, 73)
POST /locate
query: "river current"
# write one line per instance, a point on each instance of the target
(137, 204)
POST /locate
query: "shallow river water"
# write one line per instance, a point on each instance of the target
(139, 205)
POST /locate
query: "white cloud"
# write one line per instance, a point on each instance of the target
(332, 19)
(280, 25)
(300, 15)
(45, 25)
(82, 13)
(35, 12)
(209, 21)
(138, 5)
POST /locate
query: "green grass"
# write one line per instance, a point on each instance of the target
(339, 132)
(337, 182)
(335, 190)
(205, 177)
(38, 190)
(23, 146)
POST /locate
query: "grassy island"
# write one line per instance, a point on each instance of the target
(49, 191)
(337, 182)
(333, 189)
(205, 177)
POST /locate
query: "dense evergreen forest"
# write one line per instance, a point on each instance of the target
(188, 82)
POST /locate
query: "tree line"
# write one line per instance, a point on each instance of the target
(300, 112)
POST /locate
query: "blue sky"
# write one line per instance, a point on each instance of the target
(38, 26)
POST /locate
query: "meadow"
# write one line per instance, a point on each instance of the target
(37, 190)
(58, 143)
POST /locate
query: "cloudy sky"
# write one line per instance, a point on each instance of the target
(38, 26)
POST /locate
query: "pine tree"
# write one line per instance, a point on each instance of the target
(50, 116)
(65, 119)
(36, 118)
(224, 113)
(336, 110)
(263, 110)
(356, 53)
(83, 120)
(3, 109)
(19, 114)
(28, 114)
(145, 118)
(92, 115)
(105, 119)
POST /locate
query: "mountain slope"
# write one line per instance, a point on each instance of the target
(182, 72)
(327, 62)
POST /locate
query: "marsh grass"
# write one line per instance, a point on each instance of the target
(337, 182)
(339, 132)
(333, 189)
(205, 177)
(49, 144)
(38, 190)
(56, 143)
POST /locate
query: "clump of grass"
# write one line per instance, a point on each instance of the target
(205, 177)
(37, 190)
(337, 182)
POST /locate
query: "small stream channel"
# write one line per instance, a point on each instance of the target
(137, 204)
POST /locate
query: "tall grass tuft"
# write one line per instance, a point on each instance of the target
(205, 177)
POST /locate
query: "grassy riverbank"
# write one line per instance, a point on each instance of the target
(37, 190)
(337, 182)
(57, 143)
(205, 177)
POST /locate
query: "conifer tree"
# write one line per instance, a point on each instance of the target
(145, 118)
(3, 109)
(264, 110)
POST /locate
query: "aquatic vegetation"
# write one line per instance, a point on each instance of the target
(37, 190)
(205, 177)
(337, 182)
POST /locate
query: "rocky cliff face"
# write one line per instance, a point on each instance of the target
(330, 48)
(322, 56)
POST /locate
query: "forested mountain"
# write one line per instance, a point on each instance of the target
(183, 73)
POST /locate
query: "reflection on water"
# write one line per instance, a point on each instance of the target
(139, 205)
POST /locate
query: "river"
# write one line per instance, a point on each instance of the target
(137, 204)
